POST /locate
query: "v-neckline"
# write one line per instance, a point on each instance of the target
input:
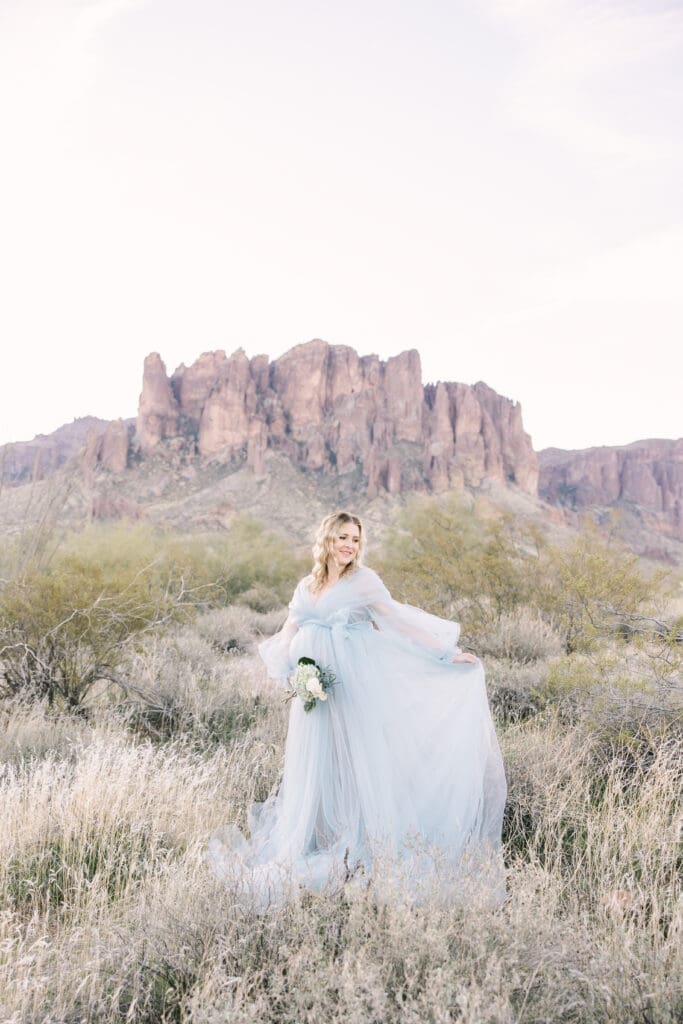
(323, 593)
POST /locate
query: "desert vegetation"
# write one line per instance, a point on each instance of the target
(135, 718)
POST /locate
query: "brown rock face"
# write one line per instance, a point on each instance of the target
(113, 453)
(192, 385)
(229, 411)
(474, 433)
(108, 449)
(158, 412)
(648, 474)
(332, 411)
(46, 453)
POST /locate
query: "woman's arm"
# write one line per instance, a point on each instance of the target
(424, 631)
(437, 636)
(275, 652)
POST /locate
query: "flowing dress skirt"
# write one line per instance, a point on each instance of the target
(401, 765)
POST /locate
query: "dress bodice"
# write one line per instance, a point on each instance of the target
(341, 604)
(362, 597)
(355, 604)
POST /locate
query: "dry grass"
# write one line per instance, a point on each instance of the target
(521, 635)
(109, 914)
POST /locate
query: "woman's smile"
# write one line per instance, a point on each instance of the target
(346, 544)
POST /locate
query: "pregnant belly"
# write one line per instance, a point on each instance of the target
(312, 641)
(334, 647)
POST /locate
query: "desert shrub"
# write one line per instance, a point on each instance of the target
(68, 627)
(515, 592)
(237, 627)
(70, 624)
(248, 559)
(516, 690)
(217, 567)
(88, 828)
(56, 873)
(522, 635)
(262, 598)
(31, 730)
(203, 682)
(594, 589)
(613, 689)
(603, 818)
(197, 684)
(442, 556)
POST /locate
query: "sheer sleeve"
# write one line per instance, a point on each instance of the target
(274, 651)
(407, 624)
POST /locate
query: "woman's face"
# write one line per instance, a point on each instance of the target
(345, 544)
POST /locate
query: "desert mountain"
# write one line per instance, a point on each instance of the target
(333, 412)
(34, 460)
(323, 422)
(644, 479)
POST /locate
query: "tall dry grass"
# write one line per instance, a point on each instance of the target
(109, 914)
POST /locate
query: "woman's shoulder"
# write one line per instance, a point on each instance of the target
(302, 588)
(364, 572)
(366, 578)
(368, 572)
(305, 583)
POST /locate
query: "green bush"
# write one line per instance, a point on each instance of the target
(594, 588)
(65, 629)
(217, 568)
(442, 556)
(71, 623)
(493, 573)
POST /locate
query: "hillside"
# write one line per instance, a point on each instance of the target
(323, 426)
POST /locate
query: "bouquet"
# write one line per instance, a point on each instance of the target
(310, 682)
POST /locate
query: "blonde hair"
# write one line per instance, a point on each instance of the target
(322, 549)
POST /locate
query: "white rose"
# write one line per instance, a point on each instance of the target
(313, 686)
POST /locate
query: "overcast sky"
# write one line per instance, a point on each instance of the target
(496, 183)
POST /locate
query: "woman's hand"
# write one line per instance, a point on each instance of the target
(465, 659)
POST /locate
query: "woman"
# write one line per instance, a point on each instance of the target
(397, 762)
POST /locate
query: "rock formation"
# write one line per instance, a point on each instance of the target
(108, 449)
(646, 474)
(31, 461)
(158, 412)
(332, 412)
(335, 412)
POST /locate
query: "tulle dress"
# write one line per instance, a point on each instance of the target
(400, 766)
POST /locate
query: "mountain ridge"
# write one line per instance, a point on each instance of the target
(366, 426)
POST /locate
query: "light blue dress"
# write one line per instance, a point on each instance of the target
(401, 765)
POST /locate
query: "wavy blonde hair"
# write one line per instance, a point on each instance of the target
(322, 549)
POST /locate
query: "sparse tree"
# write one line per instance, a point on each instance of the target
(442, 556)
(594, 588)
(64, 631)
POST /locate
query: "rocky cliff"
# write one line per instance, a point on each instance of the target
(334, 412)
(32, 461)
(343, 425)
(647, 475)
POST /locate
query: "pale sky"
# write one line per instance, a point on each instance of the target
(496, 183)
